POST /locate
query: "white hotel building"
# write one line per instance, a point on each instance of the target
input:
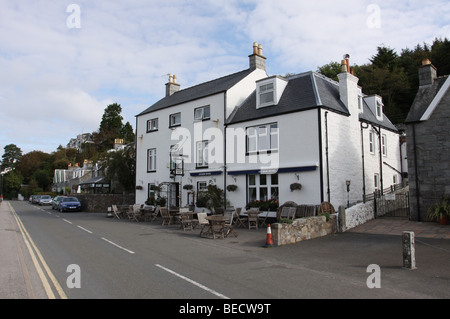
(304, 129)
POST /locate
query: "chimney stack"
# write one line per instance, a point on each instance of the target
(427, 73)
(172, 86)
(257, 60)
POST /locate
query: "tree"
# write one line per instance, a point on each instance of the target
(121, 167)
(127, 133)
(330, 70)
(386, 58)
(11, 184)
(11, 155)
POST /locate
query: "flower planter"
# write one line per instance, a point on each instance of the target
(443, 220)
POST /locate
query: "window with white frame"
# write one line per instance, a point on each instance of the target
(371, 143)
(152, 125)
(175, 119)
(151, 191)
(202, 154)
(262, 187)
(376, 181)
(266, 94)
(384, 145)
(202, 113)
(379, 108)
(262, 138)
(202, 187)
(151, 160)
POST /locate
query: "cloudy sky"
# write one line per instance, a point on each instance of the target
(63, 62)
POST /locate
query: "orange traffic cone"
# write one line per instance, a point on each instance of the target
(269, 241)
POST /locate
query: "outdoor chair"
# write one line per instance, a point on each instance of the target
(288, 213)
(238, 220)
(137, 214)
(229, 224)
(166, 217)
(306, 211)
(326, 207)
(253, 218)
(263, 218)
(202, 222)
(155, 213)
(116, 211)
(187, 220)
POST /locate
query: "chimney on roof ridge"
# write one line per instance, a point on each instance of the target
(257, 60)
(427, 73)
(172, 86)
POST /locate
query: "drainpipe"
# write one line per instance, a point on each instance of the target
(363, 159)
(326, 156)
(224, 151)
(416, 173)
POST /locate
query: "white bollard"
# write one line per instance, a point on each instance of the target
(409, 250)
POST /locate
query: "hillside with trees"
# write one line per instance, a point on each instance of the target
(395, 76)
(33, 172)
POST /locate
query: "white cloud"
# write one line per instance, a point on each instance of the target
(124, 49)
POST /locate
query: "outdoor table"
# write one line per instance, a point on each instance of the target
(216, 225)
(147, 212)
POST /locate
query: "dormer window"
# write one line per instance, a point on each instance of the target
(269, 91)
(379, 109)
(266, 94)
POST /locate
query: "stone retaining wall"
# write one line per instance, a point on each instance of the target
(101, 202)
(303, 229)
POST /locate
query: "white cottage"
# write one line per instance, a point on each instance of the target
(180, 139)
(309, 139)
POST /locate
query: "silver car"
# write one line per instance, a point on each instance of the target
(45, 200)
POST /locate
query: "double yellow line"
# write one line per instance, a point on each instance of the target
(39, 263)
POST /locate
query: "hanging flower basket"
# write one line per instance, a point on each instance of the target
(232, 188)
(139, 187)
(188, 187)
(295, 187)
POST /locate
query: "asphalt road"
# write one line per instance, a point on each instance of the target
(92, 257)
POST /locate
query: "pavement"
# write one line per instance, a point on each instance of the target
(378, 240)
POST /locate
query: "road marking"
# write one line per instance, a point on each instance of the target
(114, 244)
(35, 254)
(86, 230)
(67, 221)
(193, 282)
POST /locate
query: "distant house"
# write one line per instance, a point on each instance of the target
(427, 128)
(303, 138)
(81, 139)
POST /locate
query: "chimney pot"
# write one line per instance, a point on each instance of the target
(172, 86)
(255, 48)
(257, 60)
(344, 66)
(427, 73)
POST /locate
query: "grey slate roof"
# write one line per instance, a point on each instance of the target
(199, 91)
(424, 97)
(305, 91)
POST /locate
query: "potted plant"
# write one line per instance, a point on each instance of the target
(231, 188)
(295, 186)
(440, 211)
(188, 187)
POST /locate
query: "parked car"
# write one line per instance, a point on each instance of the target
(56, 201)
(36, 199)
(69, 204)
(45, 200)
